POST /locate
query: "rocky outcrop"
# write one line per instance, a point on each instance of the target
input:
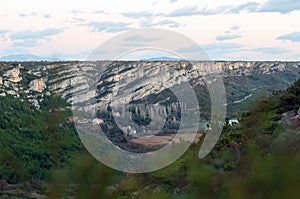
(79, 82)
(14, 75)
(291, 119)
(37, 85)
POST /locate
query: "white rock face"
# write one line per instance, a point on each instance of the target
(14, 75)
(35, 103)
(11, 92)
(70, 80)
(37, 85)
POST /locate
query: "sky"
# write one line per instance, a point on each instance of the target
(225, 29)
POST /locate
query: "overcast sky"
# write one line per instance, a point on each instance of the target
(225, 29)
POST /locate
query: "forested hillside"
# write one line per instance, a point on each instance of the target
(258, 158)
(33, 142)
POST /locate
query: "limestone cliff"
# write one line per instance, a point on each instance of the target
(79, 82)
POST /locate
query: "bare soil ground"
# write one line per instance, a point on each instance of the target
(163, 139)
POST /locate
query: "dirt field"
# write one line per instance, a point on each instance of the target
(163, 140)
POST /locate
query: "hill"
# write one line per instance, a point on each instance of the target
(257, 158)
(26, 58)
(39, 142)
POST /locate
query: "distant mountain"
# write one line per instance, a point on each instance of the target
(162, 59)
(27, 57)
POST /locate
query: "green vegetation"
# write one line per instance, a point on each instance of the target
(290, 99)
(33, 142)
(258, 158)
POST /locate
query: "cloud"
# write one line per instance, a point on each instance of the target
(30, 38)
(186, 11)
(28, 14)
(34, 14)
(133, 45)
(76, 12)
(28, 43)
(194, 10)
(173, 1)
(232, 33)
(108, 26)
(222, 46)
(41, 34)
(168, 22)
(295, 37)
(99, 12)
(227, 37)
(281, 6)
(138, 15)
(78, 20)
(47, 15)
(212, 50)
(220, 50)
(13, 51)
(81, 56)
(147, 24)
(2, 34)
(235, 27)
(140, 38)
(249, 7)
(190, 49)
(274, 50)
(217, 50)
